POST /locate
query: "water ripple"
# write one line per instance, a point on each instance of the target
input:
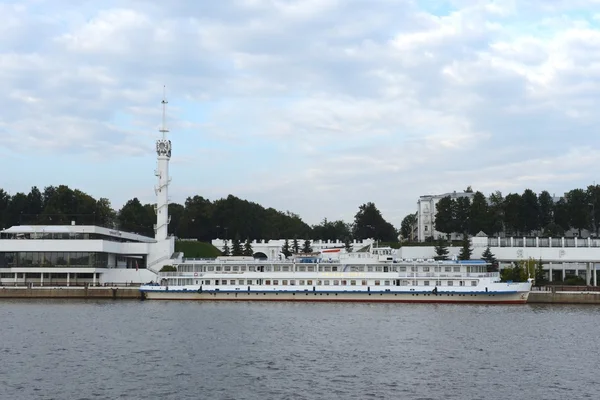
(167, 350)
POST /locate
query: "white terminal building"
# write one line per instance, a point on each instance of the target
(93, 255)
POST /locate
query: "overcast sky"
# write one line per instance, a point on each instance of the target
(312, 106)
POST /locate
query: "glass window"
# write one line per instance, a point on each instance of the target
(377, 283)
(450, 283)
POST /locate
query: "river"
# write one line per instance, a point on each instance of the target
(55, 349)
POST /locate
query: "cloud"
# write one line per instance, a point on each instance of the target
(310, 106)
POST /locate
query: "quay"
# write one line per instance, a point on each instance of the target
(116, 292)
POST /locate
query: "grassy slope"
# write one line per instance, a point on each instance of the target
(197, 249)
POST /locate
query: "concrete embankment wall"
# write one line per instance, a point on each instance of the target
(69, 293)
(564, 297)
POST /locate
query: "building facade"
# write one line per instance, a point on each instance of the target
(426, 210)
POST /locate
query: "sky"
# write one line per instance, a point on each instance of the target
(313, 106)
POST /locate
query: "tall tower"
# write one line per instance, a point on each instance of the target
(163, 151)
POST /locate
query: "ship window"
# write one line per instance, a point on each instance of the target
(216, 281)
(301, 268)
(336, 282)
(352, 282)
(218, 269)
(450, 283)
(284, 282)
(236, 268)
(369, 269)
(227, 268)
(344, 283)
(243, 268)
(413, 269)
(207, 282)
(448, 269)
(319, 282)
(240, 282)
(309, 282)
(377, 283)
(224, 282)
(456, 269)
(286, 268)
(211, 268)
(326, 282)
(415, 283)
(232, 282)
(425, 269)
(426, 283)
(386, 283)
(462, 283)
(277, 268)
(267, 282)
(292, 282)
(438, 283)
(364, 283)
(310, 269)
(402, 269)
(473, 283)
(379, 269)
(437, 269)
(275, 282)
(301, 282)
(252, 269)
(249, 282)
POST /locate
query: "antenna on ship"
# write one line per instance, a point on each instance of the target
(164, 102)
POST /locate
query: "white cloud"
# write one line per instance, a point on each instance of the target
(309, 106)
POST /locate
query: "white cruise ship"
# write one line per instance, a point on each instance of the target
(373, 276)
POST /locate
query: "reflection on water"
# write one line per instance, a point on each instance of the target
(176, 350)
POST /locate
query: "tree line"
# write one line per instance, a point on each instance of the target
(198, 218)
(516, 214)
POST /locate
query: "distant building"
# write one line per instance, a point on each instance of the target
(426, 214)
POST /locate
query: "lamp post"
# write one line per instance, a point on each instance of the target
(593, 218)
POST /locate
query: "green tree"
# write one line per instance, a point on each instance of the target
(285, 249)
(445, 216)
(463, 215)
(540, 278)
(513, 205)
(348, 244)
(226, 249)
(490, 258)
(441, 249)
(546, 209)
(306, 248)
(578, 209)
(408, 226)
(593, 194)
(561, 215)
(248, 248)
(134, 217)
(295, 246)
(530, 211)
(465, 250)
(496, 213)
(236, 247)
(479, 215)
(369, 223)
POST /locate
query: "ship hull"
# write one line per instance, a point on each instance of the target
(512, 297)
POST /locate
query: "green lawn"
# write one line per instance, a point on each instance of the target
(197, 249)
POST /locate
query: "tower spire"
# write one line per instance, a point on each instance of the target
(164, 102)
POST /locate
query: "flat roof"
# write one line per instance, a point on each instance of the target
(78, 229)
